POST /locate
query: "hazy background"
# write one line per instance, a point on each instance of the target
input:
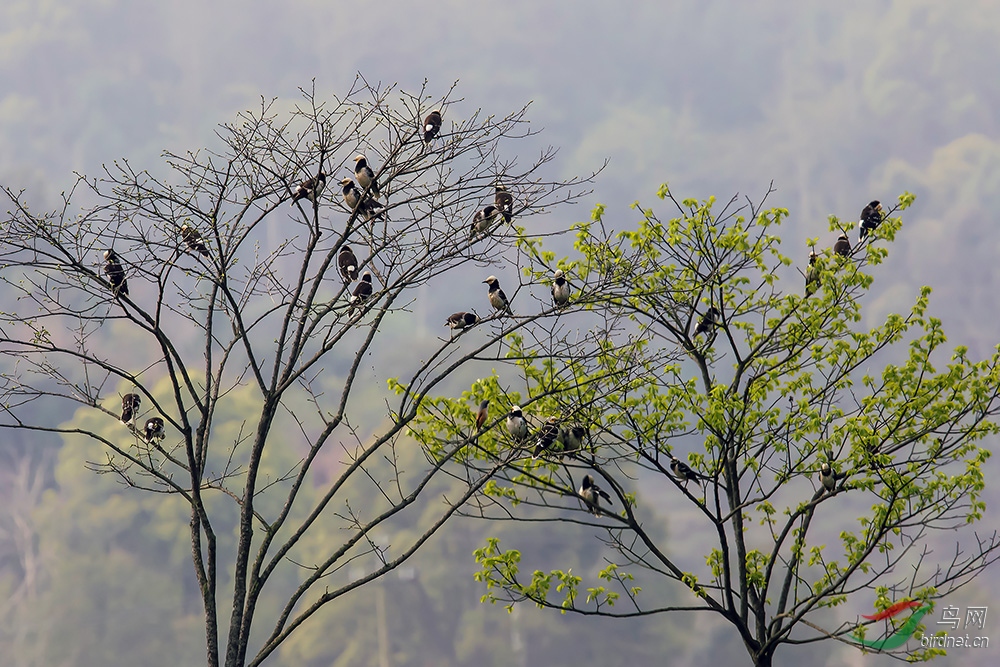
(836, 103)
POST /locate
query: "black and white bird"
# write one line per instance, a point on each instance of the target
(828, 477)
(497, 298)
(461, 320)
(432, 125)
(504, 202)
(115, 273)
(592, 494)
(812, 274)
(130, 407)
(483, 220)
(310, 188)
(355, 202)
(192, 238)
(154, 429)
(871, 218)
(573, 438)
(365, 176)
(546, 437)
(517, 425)
(362, 292)
(560, 289)
(709, 320)
(348, 264)
(682, 471)
(843, 246)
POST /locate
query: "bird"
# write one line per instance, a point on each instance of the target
(682, 471)
(362, 292)
(483, 220)
(592, 494)
(560, 289)
(812, 274)
(546, 436)
(843, 246)
(709, 320)
(826, 476)
(432, 125)
(130, 407)
(154, 429)
(115, 273)
(354, 201)
(504, 202)
(517, 425)
(310, 188)
(871, 218)
(348, 264)
(461, 320)
(365, 176)
(192, 238)
(573, 438)
(482, 414)
(497, 298)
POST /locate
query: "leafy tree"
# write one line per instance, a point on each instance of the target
(751, 403)
(186, 288)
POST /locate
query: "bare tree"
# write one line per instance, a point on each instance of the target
(772, 419)
(152, 298)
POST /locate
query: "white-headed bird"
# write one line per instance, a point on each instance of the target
(497, 297)
(517, 425)
(843, 246)
(154, 429)
(310, 188)
(365, 176)
(192, 239)
(483, 220)
(560, 289)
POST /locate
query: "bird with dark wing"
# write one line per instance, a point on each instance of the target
(497, 298)
(708, 321)
(483, 220)
(432, 125)
(482, 414)
(828, 477)
(130, 407)
(115, 273)
(560, 289)
(517, 425)
(546, 437)
(362, 292)
(682, 471)
(461, 320)
(363, 205)
(592, 494)
(192, 238)
(504, 202)
(812, 274)
(365, 176)
(843, 246)
(348, 264)
(573, 438)
(154, 429)
(310, 188)
(871, 218)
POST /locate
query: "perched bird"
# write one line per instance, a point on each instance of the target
(709, 320)
(154, 429)
(812, 274)
(871, 218)
(115, 273)
(355, 202)
(546, 437)
(192, 238)
(348, 264)
(483, 220)
(310, 188)
(130, 407)
(560, 289)
(498, 299)
(365, 176)
(482, 414)
(829, 477)
(504, 202)
(461, 320)
(682, 471)
(573, 438)
(517, 425)
(432, 125)
(362, 292)
(592, 494)
(843, 246)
